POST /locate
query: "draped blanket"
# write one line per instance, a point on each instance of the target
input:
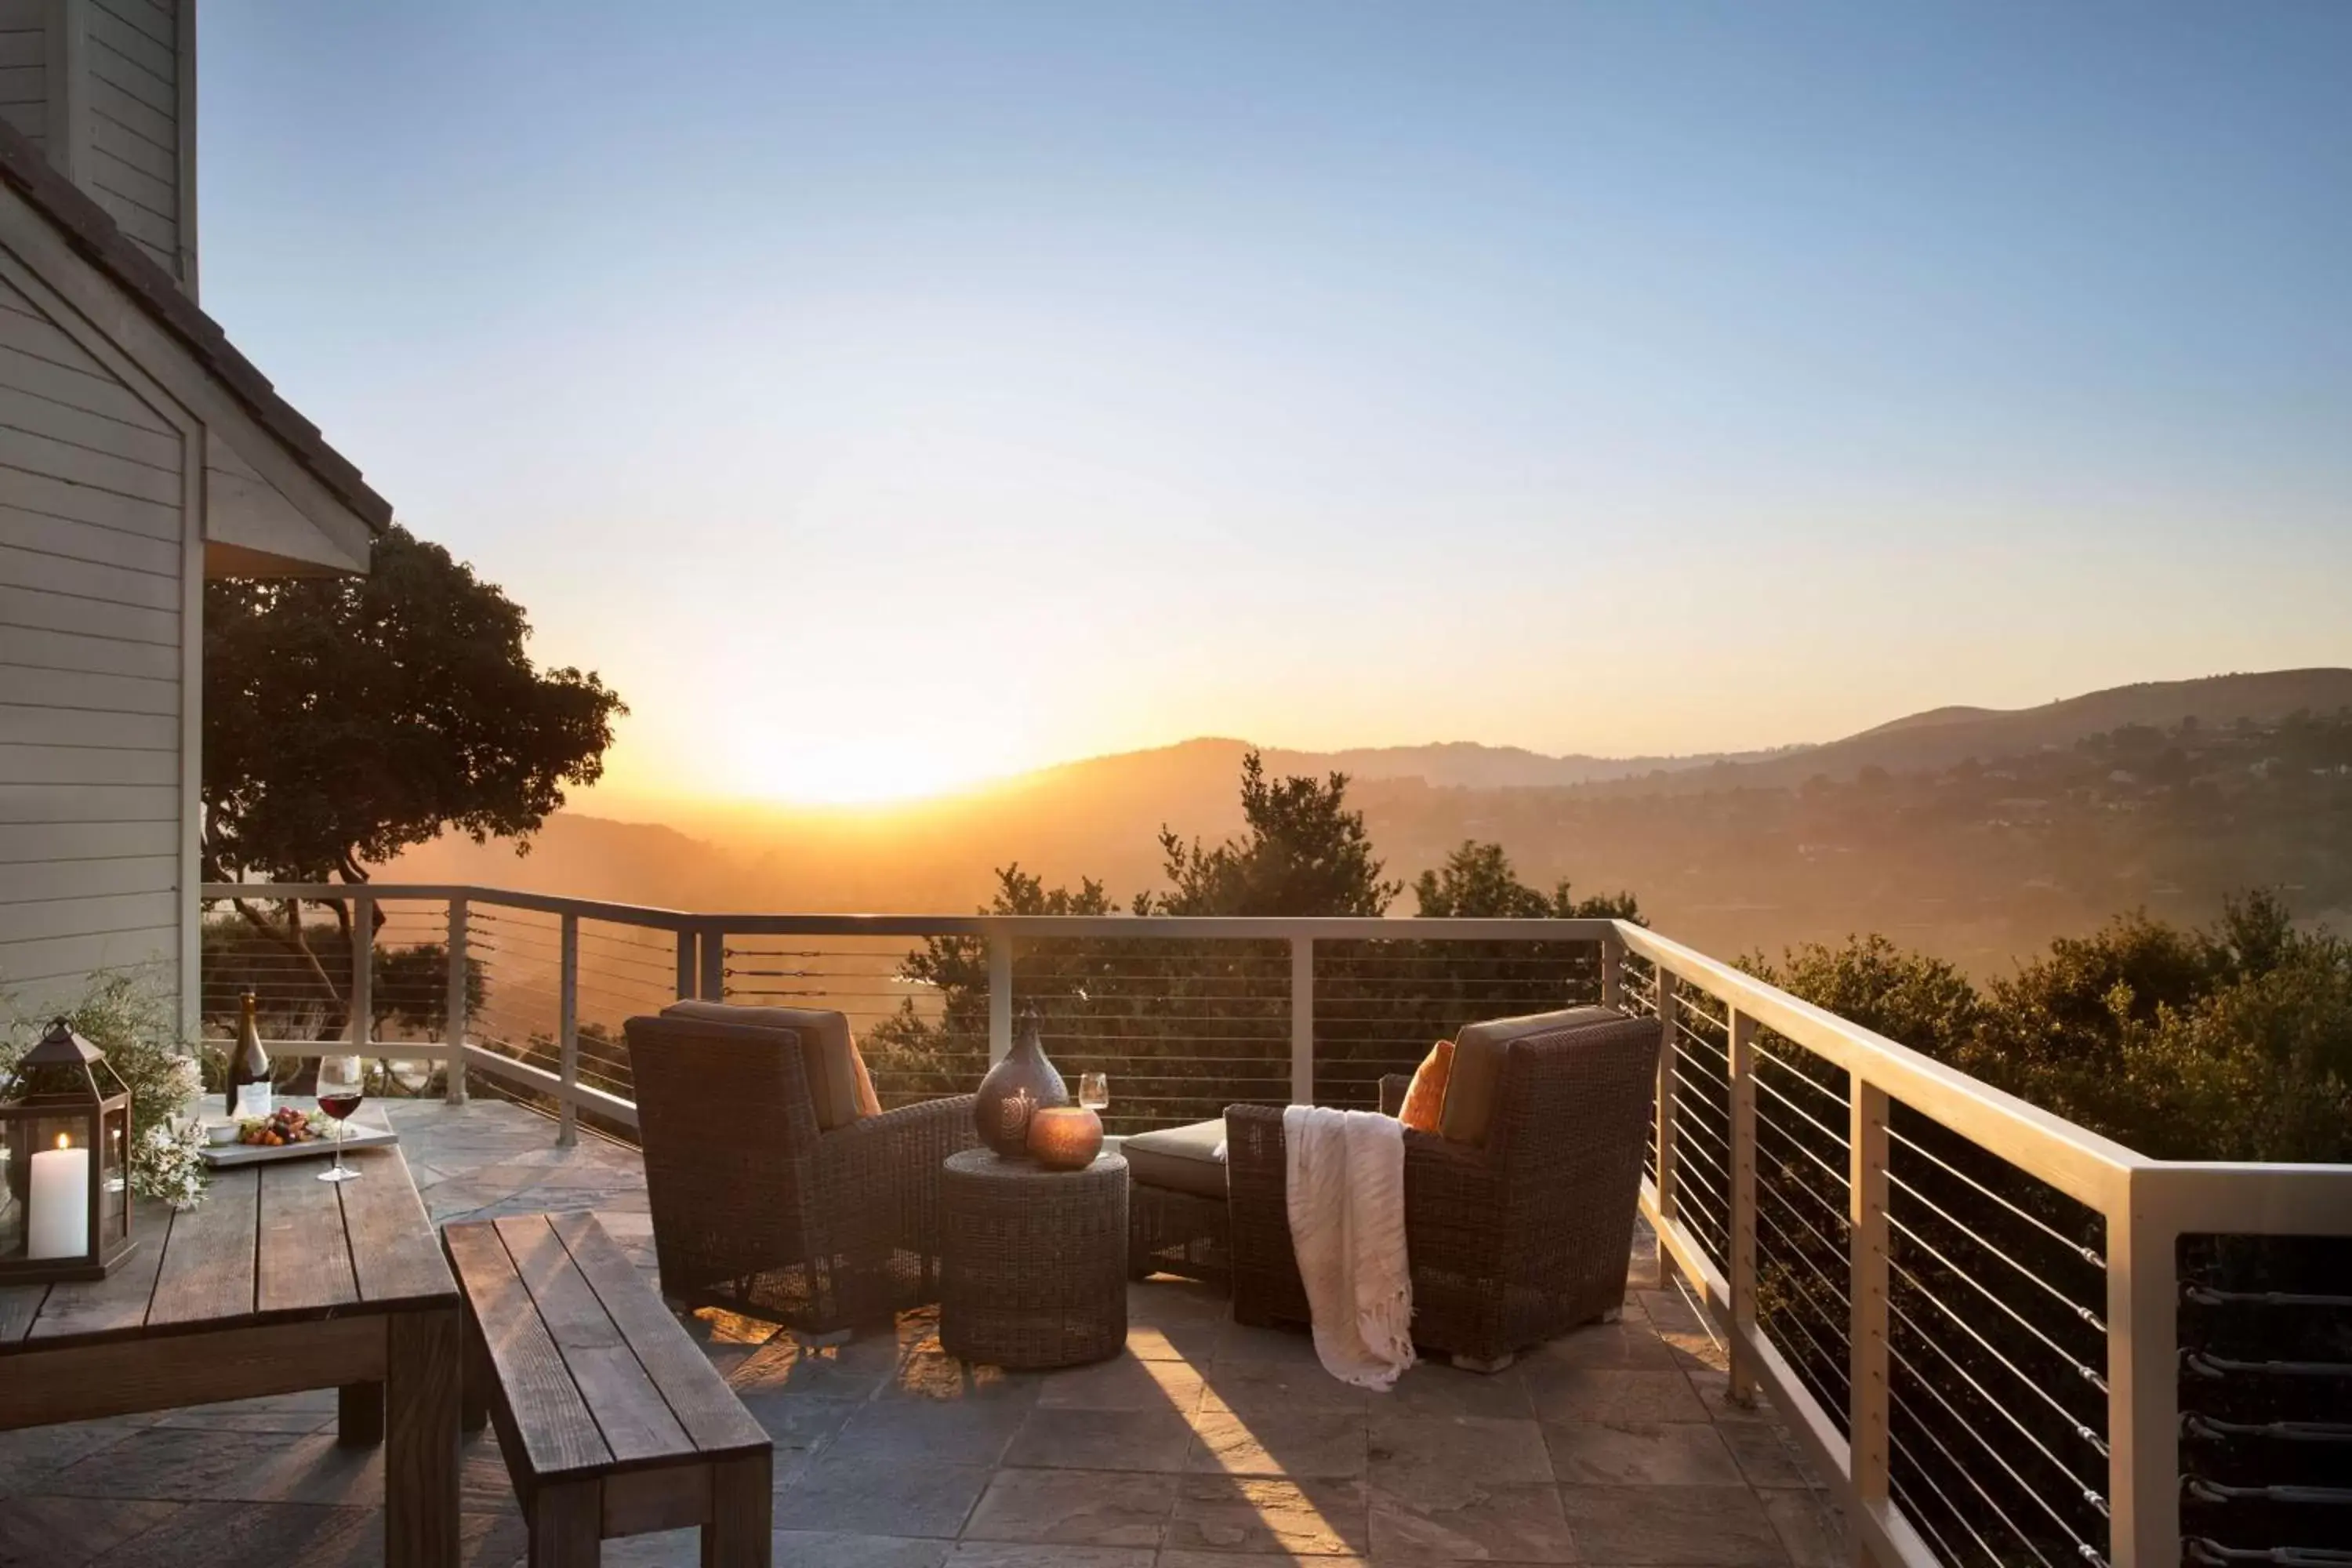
(1345, 1187)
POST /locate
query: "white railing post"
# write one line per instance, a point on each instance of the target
(1613, 972)
(456, 1007)
(713, 981)
(1668, 1003)
(1302, 1020)
(567, 1038)
(1866, 1332)
(362, 972)
(687, 963)
(1743, 1207)
(1000, 997)
(2143, 1375)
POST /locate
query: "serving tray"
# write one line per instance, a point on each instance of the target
(356, 1135)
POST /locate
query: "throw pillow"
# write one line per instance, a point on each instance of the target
(1426, 1097)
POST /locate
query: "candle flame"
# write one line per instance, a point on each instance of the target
(64, 1142)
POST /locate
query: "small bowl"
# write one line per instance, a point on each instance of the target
(220, 1133)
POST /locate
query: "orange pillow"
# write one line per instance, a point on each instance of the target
(1426, 1097)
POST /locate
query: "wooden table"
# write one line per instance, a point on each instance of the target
(277, 1283)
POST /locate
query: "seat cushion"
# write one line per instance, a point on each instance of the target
(838, 1083)
(1476, 1082)
(1424, 1098)
(1180, 1159)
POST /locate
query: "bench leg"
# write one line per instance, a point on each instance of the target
(474, 1379)
(742, 1500)
(358, 1414)
(567, 1525)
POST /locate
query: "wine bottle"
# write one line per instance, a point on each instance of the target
(248, 1064)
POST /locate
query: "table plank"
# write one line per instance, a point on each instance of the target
(636, 1420)
(19, 1305)
(394, 1254)
(207, 1271)
(553, 1426)
(691, 1387)
(120, 1300)
(305, 1259)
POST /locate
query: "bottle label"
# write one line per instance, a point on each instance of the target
(253, 1100)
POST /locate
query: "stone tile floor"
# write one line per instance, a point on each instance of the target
(1203, 1446)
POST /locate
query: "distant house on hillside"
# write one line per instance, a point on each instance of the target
(140, 454)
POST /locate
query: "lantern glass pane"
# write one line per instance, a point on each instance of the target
(114, 1189)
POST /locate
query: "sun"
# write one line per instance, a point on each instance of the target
(862, 769)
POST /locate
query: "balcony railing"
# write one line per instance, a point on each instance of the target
(1971, 1310)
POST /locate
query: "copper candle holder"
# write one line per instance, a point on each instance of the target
(1064, 1137)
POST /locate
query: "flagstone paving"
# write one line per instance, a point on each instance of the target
(1204, 1445)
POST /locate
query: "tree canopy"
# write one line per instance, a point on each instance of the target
(1303, 852)
(347, 718)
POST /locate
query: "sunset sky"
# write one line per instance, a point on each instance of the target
(883, 396)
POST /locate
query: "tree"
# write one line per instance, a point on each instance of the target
(349, 718)
(1477, 882)
(1303, 853)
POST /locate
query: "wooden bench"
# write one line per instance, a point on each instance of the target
(611, 1421)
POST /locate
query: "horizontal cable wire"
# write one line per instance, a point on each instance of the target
(2076, 1247)
(2073, 1421)
(2073, 1306)
(2087, 1494)
(2084, 1550)
(2089, 1374)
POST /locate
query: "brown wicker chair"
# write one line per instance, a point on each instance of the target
(756, 1210)
(1511, 1244)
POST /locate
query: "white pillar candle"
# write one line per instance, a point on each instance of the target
(57, 1208)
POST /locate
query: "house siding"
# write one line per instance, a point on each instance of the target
(107, 89)
(93, 585)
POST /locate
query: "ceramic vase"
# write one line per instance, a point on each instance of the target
(1016, 1088)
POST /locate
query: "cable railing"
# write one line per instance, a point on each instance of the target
(2000, 1338)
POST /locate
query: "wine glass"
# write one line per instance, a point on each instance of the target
(1094, 1091)
(342, 1084)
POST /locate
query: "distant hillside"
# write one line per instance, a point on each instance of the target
(1732, 854)
(1942, 736)
(1463, 764)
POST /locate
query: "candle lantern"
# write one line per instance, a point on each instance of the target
(65, 1141)
(1064, 1137)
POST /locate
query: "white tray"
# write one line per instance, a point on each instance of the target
(356, 1135)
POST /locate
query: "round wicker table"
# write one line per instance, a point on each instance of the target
(1032, 1263)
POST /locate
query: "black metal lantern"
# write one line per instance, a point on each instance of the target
(65, 1138)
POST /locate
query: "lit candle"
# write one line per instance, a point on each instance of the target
(57, 1208)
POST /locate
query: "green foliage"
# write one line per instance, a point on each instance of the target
(347, 718)
(1477, 882)
(1303, 853)
(134, 1020)
(2231, 1042)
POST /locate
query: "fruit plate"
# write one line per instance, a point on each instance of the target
(356, 1135)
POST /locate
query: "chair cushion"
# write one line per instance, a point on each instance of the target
(1425, 1099)
(1476, 1082)
(838, 1083)
(1180, 1159)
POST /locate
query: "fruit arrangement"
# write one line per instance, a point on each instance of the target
(283, 1126)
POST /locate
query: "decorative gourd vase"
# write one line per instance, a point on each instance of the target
(1016, 1088)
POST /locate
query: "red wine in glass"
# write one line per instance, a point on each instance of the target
(342, 1084)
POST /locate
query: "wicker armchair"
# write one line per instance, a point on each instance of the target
(1512, 1243)
(755, 1209)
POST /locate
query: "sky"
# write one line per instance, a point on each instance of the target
(886, 397)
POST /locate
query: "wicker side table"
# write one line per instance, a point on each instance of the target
(1032, 1264)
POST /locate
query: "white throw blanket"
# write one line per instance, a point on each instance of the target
(1345, 1187)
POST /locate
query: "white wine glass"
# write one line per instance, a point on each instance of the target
(342, 1084)
(1094, 1091)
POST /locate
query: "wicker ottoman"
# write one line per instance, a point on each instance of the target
(1176, 1210)
(1033, 1266)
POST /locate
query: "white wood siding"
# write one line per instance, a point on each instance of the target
(131, 50)
(107, 89)
(23, 66)
(92, 592)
